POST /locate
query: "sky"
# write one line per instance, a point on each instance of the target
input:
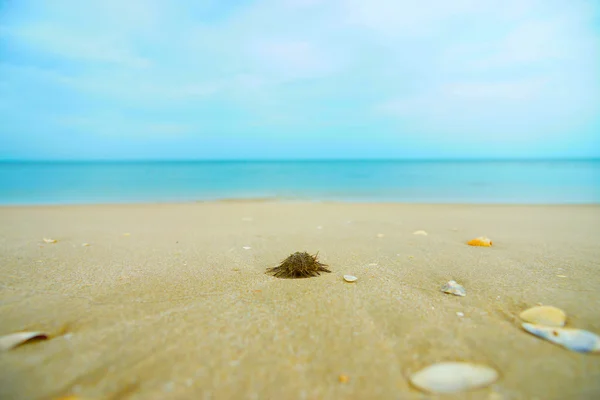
(298, 79)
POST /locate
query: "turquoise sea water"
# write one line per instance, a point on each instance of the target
(537, 182)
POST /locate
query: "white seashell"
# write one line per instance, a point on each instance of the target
(452, 377)
(422, 233)
(13, 340)
(246, 247)
(46, 240)
(454, 288)
(544, 315)
(350, 278)
(573, 339)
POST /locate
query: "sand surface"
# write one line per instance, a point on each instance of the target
(179, 309)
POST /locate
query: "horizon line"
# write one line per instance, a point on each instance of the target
(267, 160)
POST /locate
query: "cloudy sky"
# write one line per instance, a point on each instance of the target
(214, 79)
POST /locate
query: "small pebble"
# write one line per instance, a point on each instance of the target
(46, 240)
(380, 235)
(350, 278)
(85, 244)
(561, 276)
(544, 315)
(343, 378)
(454, 288)
(460, 314)
(246, 247)
(453, 377)
(168, 387)
(422, 233)
(578, 340)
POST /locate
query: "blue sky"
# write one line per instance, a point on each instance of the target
(189, 79)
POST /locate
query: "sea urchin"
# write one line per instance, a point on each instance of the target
(299, 265)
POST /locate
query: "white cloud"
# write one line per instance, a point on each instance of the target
(289, 59)
(61, 42)
(115, 124)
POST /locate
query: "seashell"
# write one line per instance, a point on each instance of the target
(454, 288)
(350, 278)
(453, 377)
(13, 340)
(246, 247)
(422, 233)
(480, 241)
(85, 244)
(544, 315)
(46, 240)
(577, 340)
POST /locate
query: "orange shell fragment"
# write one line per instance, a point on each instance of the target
(480, 241)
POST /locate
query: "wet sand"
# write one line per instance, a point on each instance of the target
(179, 309)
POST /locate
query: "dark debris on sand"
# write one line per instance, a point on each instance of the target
(299, 265)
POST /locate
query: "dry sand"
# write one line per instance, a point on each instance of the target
(179, 309)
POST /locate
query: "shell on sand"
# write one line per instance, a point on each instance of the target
(454, 288)
(350, 278)
(544, 315)
(453, 377)
(480, 241)
(578, 340)
(13, 340)
(47, 240)
(422, 233)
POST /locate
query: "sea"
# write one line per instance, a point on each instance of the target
(473, 182)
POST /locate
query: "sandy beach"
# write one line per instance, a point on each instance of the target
(171, 301)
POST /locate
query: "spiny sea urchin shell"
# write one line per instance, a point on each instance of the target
(299, 265)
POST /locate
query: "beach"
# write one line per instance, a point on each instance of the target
(172, 300)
